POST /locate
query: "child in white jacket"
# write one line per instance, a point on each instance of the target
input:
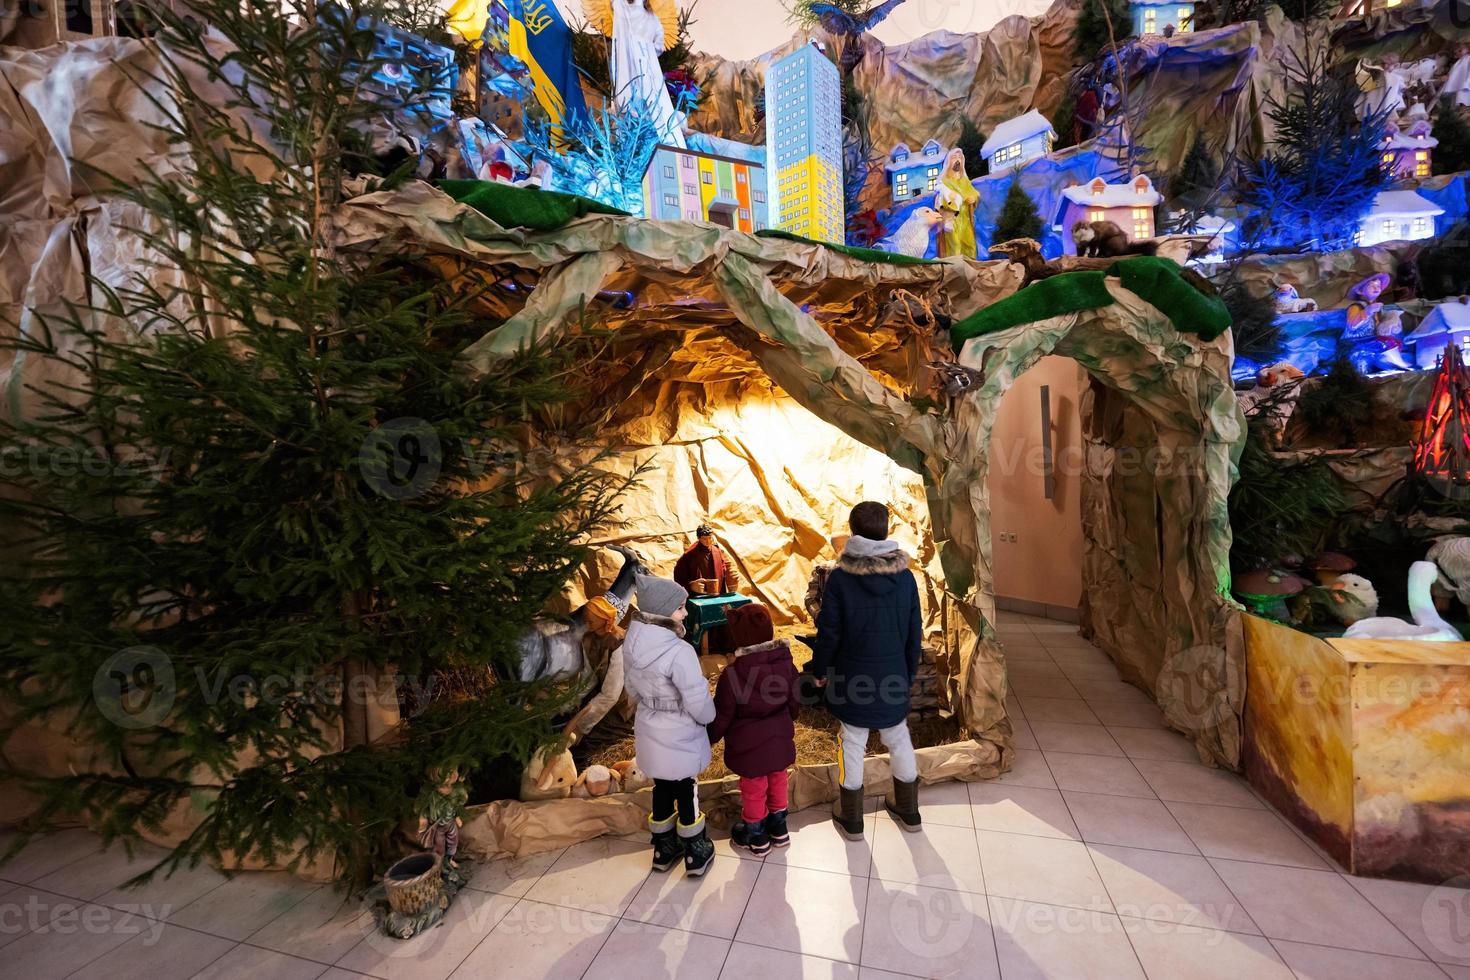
(674, 705)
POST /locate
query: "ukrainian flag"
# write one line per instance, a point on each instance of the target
(540, 37)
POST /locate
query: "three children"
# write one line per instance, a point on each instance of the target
(867, 652)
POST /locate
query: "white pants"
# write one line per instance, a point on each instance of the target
(900, 747)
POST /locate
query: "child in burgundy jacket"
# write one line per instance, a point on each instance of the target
(755, 711)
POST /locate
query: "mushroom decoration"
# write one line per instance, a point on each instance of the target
(1265, 591)
(1329, 566)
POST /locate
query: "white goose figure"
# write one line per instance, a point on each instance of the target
(1426, 625)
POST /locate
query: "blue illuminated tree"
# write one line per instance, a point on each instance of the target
(604, 154)
(1313, 188)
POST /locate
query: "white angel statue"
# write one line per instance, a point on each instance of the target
(640, 30)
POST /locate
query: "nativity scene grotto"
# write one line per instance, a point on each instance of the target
(364, 361)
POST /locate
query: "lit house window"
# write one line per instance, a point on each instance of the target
(1421, 163)
(1150, 22)
(1387, 226)
(901, 184)
(1421, 227)
(1186, 18)
(1096, 216)
(1141, 223)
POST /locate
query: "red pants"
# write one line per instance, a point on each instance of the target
(760, 795)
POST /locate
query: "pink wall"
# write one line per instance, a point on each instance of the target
(1044, 563)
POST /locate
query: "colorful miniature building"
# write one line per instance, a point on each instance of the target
(714, 180)
(1016, 142)
(1407, 152)
(1447, 323)
(912, 174)
(804, 144)
(1130, 205)
(1157, 16)
(1398, 216)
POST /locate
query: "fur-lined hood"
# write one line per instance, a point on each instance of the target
(676, 628)
(763, 648)
(862, 556)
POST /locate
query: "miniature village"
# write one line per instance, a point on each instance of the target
(680, 314)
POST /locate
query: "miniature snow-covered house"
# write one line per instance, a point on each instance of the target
(1156, 17)
(1447, 323)
(1398, 216)
(913, 174)
(1018, 141)
(1407, 151)
(1130, 205)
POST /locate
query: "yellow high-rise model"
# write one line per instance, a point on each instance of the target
(804, 145)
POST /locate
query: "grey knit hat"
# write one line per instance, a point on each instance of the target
(659, 596)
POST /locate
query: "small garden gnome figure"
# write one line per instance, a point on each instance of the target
(441, 814)
(957, 200)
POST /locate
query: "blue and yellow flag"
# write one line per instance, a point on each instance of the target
(540, 37)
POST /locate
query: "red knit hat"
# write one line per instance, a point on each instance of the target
(749, 625)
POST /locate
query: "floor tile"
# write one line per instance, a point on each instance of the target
(804, 911)
(1322, 963)
(164, 894)
(1155, 743)
(1311, 906)
(1021, 810)
(1068, 653)
(243, 904)
(1029, 769)
(73, 938)
(1056, 736)
(1035, 869)
(1048, 942)
(252, 962)
(323, 926)
(26, 908)
(1181, 888)
(43, 855)
(1042, 687)
(337, 973)
(101, 871)
(435, 954)
(946, 804)
(1051, 628)
(1072, 710)
(1190, 782)
(818, 845)
(1168, 949)
(596, 876)
(1437, 918)
(1088, 670)
(1244, 835)
(647, 952)
(1025, 653)
(939, 856)
(515, 877)
(1044, 670)
(746, 961)
(1022, 736)
(535, 941)
(1097, 774)
(928, 932)
(711, 904)
(1014, 711)
(176, 954)
(1100, 690)
(1128, 821)
(1123, 714)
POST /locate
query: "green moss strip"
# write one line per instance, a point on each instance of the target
(523, 207)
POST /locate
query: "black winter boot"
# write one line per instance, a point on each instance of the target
(776, 829)
(751, 836)
(666, 847)
(699, 851)
(848, 813)
(903, 804)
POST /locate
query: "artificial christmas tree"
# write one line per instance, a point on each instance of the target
(334, 523)
(1018, 216)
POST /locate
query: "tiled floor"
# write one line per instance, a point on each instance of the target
(1108, 852)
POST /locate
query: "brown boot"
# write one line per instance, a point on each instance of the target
(903, 804)
(848, 813)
